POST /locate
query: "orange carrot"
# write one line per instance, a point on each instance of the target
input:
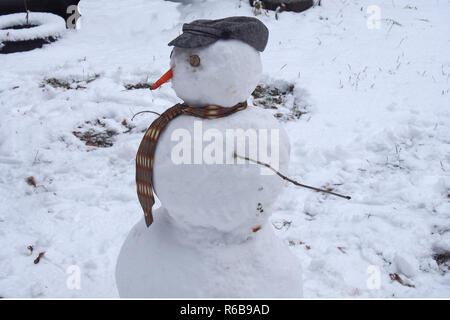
(166, 77)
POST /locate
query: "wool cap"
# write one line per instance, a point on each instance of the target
(200, 33)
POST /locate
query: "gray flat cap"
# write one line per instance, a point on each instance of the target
(200, 33)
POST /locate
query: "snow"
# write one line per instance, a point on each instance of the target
(228, 73)
(377, 129)
(47, 25)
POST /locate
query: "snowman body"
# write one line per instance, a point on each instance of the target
(170, 262)
(211, 237)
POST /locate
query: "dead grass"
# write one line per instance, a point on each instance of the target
(69, 84)
(140, 85)
(95, 133)
(443, 260)
(274, 98)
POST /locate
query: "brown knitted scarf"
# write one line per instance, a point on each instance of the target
(146, 152)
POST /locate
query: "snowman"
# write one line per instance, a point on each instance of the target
(210, 238)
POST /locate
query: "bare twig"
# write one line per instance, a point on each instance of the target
(26, 9)
(40, 255)
(145, 112)
(342, 249)
(285, 223)
(291, 180)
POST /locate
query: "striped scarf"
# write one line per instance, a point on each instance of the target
(146, 151)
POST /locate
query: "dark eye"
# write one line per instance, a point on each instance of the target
(194, 60)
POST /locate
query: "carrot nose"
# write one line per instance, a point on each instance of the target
(166, 77)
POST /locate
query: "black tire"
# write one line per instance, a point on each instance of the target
(17, 36)
(58, 7)
(289, 5)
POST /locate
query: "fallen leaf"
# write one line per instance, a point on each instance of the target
(396, 277)
(256, 229)
(31, 181)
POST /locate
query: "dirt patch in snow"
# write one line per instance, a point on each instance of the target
(69, 84)
(96, 133)
(140, 85)
(279, 96)
(443, 260)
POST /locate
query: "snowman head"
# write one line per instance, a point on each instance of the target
(217, 62)
(223, 73)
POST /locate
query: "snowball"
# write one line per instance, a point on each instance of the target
(228, 72)
(226, 197)
(167, 261)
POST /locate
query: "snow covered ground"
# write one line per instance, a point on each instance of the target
(377, 128)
